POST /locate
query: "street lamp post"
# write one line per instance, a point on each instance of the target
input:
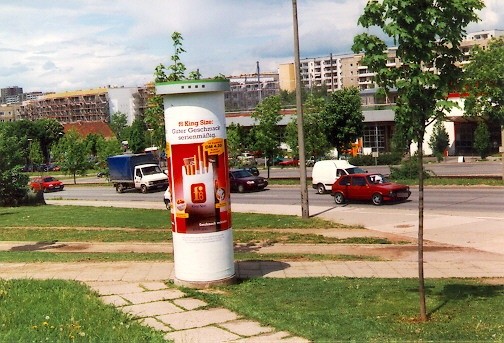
(29, 154)
(150, 130)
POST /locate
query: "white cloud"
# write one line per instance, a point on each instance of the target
(59, 45)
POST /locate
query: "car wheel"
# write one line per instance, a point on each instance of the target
(339, 198)
(321, 189)
(241, 188)
(119, 188)
(377, 199)
(45, 190)
(143, 189)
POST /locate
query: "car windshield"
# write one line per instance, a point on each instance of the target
(151, 170)
(355, 170)
(241, 174)
(377, 178)
(49, 179)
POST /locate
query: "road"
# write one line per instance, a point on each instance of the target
(452, 168)
(464, 200)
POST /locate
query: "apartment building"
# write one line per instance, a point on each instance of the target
(9, 112)
(87, 105)
(333, 71)
(11, 95)
(480, 38)
(248, 90)
(341, 71)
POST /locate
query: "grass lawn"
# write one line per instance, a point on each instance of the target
(63, 311)
(369, 310)
(50, 225)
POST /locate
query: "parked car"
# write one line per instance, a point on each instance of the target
(46, 184)
(366, 186)
(326, 172)
(253, 170)
(289, 162)
(244, 181)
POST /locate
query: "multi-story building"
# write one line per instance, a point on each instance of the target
(86, 105)
(333, 72)
(9, 112)
(247, 90)
(11, 95)
(480, 38)
(341, 71)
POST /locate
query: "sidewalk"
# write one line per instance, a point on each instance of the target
(460, 247)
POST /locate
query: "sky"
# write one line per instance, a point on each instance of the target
(66, 45)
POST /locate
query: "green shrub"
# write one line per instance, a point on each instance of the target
(408, 169)
(388, 158)
(362, 160)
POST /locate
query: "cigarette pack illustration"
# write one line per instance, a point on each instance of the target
(201, 199)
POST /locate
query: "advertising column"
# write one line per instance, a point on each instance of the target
(197, 162)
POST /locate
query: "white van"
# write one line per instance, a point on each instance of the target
(326, 172)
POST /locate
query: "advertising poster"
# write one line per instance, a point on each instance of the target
(198, 165)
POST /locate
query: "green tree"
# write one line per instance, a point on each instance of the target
(343, 118)
(485, 81)
(49, 132)
(106, 148)
(13, 183)
(35, 153)
(316, 140)
(237, 139)
(154, 115)
(265, 132)
(137, 142)
(25, 131)
(91, 141)
(428, 34)
(154, 119)
(71, 153)
(482, 140)
(287, 98)
(439, 140)
(118, 124)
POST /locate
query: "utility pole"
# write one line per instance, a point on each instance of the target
(259, 82)
(300, 123)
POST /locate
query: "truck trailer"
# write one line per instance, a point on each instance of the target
(140, 171)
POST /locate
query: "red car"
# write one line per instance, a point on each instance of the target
(46, 184)
(289, 162)
(374, 187)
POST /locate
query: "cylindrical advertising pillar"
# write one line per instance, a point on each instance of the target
(198, 170)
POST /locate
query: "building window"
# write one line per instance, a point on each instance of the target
(374, 137)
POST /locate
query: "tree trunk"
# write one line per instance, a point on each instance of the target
(421, 279)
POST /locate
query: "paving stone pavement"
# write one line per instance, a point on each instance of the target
(181, 318)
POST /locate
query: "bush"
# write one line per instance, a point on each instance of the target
(408, 169)
(362, 160)
(13, 187)
(389, 158)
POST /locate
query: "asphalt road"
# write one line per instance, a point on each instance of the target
(477, 200)
(451, 168)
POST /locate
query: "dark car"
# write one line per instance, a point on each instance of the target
(244, 181)
(46, 184)
(374, 187)
(253, 170)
